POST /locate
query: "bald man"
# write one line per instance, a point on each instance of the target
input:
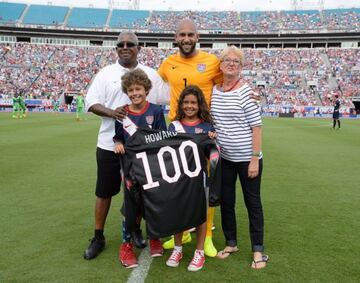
(190, 66)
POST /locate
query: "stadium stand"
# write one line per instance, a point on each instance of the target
(286, 77)
(300, 77)
(129, 19)
(300, 20)
(259, 22)
(223, 20)
(10, 12)
(342, 19)
(45, 15)
(92, 18)
(256, 22)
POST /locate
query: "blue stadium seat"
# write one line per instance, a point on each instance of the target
(87, 18)
(129, 19)
(45, 15)
(10, 12)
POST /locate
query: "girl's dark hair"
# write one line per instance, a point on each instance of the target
(137, 77)
(204, 113)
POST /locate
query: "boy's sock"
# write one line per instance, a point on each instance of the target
(126, 236)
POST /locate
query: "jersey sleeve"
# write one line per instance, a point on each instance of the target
(171, 128)
(119, 133)
(214, 176)
(162, 70)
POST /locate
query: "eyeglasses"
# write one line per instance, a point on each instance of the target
(227, 61)
(125, 45)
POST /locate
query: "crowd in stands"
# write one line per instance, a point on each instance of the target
(46, 70)
(259, 22)
(346, 70)
(167, 20)
(298, 77)
(164, 21)
(342, 19)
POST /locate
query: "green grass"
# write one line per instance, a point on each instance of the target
(310, 193)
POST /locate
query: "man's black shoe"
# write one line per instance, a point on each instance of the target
(96, 246)
(138, 239)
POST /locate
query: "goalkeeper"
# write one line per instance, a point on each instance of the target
(80, 107)
(19, 107)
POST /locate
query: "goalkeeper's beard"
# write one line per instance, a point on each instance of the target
(187, 53)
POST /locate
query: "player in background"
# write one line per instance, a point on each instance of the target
(192, 117)
(16, 106)
(80, 106)
(336, 113)
(55, 104)
(19, 107)
(140, 113)
(22, 107)
(190, 66)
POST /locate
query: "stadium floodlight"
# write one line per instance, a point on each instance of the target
(307, 5)
(124, 4)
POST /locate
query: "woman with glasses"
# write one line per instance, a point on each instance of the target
(238, 126)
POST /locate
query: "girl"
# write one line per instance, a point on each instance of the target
(193, 117)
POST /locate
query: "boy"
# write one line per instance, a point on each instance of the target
(141, 113)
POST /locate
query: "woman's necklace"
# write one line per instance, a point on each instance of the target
(232, 86)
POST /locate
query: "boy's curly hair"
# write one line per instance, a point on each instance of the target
(137, 77)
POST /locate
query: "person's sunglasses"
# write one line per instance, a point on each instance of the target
(125, 45)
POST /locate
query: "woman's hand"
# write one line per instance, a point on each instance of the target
(253, 169)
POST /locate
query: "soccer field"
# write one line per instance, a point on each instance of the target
(310, 193)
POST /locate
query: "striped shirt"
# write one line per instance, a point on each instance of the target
(234, 114)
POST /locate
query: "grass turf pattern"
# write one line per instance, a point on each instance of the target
(310, 192)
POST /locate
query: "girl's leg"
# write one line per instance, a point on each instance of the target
(198, 260)
(176, 255)
(200, 236)
(177, 239)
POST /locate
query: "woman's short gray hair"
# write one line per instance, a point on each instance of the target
(234, 50)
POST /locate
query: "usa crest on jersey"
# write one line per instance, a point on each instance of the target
(198, 131)
(201, 67)
(149, 119)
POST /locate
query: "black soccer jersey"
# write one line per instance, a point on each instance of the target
(170, 169)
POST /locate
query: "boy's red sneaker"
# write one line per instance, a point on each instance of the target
(127, 255)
